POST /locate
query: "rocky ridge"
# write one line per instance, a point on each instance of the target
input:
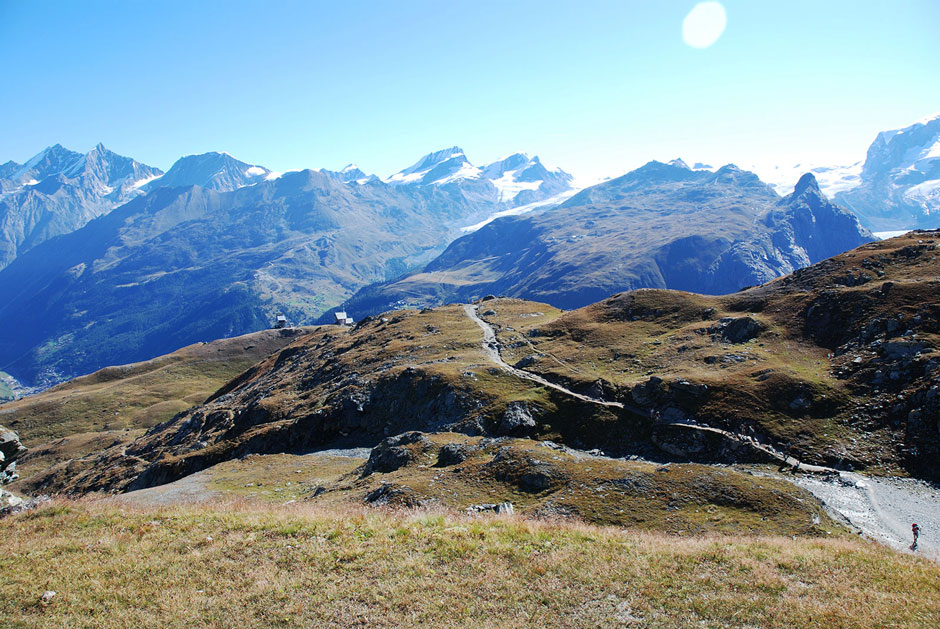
(10, 450)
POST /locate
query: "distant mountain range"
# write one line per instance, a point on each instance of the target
(110, 260)
(895, 188)
(660, 226)
(187, 264)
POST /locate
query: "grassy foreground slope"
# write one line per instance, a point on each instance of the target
(114, 404)
(298, 566)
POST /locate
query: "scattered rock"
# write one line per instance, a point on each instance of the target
(516, 420)
(648, 393)
(690, 389)
(392, 495)
(900, 349)
(22, 505)
(528, 361)
(454, 453)
(737, 330)
(392, 453)
(10, 450)
(503, 508)
(535, 481)
(8, 500)
(800, 403)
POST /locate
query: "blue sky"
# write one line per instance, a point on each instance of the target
(596, 87)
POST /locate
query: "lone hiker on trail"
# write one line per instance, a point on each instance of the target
(916, 530)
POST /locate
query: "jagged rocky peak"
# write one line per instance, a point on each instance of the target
(514, 180)
(731, 173)
(213, 170)
(512, 162)
(113, 169)
(903, 148)
(99, 167)
(656, 171)
(679, 163)
(351, 173)
(50, 161)
(807, 185)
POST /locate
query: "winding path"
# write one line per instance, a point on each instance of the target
(491, 348)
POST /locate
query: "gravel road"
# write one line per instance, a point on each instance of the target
(187, 490)
(884, 508)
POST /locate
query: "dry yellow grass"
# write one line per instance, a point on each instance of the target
(235, 564)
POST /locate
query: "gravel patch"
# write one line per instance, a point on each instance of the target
(351, 453)
(883, 509)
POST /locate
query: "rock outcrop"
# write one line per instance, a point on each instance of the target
(10, 450)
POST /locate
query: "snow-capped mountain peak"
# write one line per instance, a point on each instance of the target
(514, 180)
(900, 181)
(351, 174)
(51, 160)
(439, 167)
(522, 180)
(213, 170)
(679, 163)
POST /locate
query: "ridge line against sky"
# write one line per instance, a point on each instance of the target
(595, 88)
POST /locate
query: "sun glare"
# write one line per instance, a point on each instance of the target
(704, 24)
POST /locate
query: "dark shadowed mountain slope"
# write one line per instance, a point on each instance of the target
(181, 265)
(661, 226)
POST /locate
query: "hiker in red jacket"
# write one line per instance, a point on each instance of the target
(916, 530)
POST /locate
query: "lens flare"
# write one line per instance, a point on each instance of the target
(704, 24)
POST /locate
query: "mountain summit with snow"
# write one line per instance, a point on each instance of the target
(58, 190)
(214, 171)
(438, 168)
(900, 179)
(512, 181)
